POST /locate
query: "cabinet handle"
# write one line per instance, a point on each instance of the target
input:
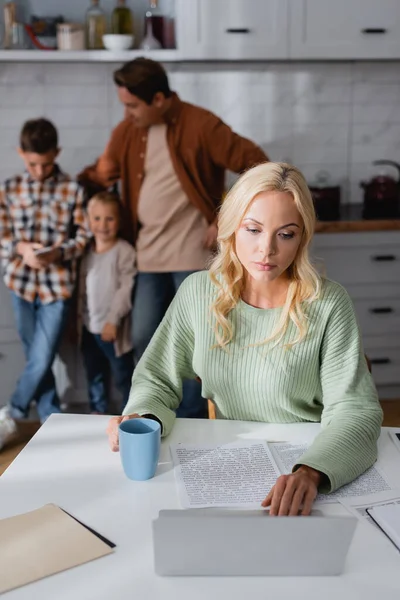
(383, 257)
(374, 30)
(237, 30)
(384, 310)
(380, 361)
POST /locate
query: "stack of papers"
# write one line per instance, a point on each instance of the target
(241, 474)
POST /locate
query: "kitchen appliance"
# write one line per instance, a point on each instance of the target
(382, 193)
(326, 196)
(43, 31)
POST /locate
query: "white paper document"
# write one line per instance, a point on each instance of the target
(241, 474)
(372, 481)
(358, 506)
(238, 474)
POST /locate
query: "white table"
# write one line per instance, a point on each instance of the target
(68, 463)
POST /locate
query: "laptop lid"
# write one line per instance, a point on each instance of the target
(229, 542)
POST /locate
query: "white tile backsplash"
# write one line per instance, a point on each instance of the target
(76, 95)
(311, 115)
(376, 94)
(80, 137)
(376, 113)
(15, 117)
(336, 117)
(90, 117)
(21, 96)
(72, 73)
(22, 73)
(376, 72)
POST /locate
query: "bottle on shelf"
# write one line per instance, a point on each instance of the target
(9, 21)
(150, 42)
(159, 25)
(122, 19)
(96, 26)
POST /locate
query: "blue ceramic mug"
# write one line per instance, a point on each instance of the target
(139, 447)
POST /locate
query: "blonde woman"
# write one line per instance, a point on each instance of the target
(270, 340)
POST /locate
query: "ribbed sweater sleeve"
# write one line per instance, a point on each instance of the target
(157, 380)
(351, 416)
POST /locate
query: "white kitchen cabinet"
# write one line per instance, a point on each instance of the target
(378, 316)
(352, 265)
(232, 29)
(344, 29)
(384, 355)
(368, 266)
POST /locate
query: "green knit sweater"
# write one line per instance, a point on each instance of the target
(323, 379)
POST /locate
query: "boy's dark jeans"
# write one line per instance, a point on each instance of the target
(40, 327)
(99, 357)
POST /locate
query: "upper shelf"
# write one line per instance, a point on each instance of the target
(87, 55)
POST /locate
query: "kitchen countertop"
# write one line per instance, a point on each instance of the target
(351, 221)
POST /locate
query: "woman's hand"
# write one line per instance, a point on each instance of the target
(112, 430)
(293, 493)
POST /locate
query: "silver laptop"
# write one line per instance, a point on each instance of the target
(230, 542)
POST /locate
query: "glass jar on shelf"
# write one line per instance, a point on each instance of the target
(122, 19)
(96, 26)
(9, 10)
(149, 42)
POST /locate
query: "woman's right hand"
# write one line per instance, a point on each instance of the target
(113, 430)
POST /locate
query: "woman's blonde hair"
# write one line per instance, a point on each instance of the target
(227, 272)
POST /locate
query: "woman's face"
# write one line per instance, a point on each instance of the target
(269, 236)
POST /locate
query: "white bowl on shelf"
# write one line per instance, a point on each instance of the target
(118, 41)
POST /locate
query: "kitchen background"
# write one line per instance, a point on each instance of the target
(333, 116)
(321, 114)
(337, 117)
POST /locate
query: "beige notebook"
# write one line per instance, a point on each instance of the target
(43, 542)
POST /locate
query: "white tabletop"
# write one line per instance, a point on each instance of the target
(68, 463)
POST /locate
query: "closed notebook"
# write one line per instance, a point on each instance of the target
(44, 542)
(387, 517)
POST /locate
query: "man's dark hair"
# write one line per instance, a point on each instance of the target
(143, 78)
(38, 136)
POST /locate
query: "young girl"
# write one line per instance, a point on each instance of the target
(269, 338)
(104, 305)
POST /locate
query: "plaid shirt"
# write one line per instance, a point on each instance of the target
(50, 213)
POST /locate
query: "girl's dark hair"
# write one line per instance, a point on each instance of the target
(143, 78)
(38, 136)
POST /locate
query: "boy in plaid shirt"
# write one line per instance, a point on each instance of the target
(43, 229)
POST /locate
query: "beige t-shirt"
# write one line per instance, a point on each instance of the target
(172, 231)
